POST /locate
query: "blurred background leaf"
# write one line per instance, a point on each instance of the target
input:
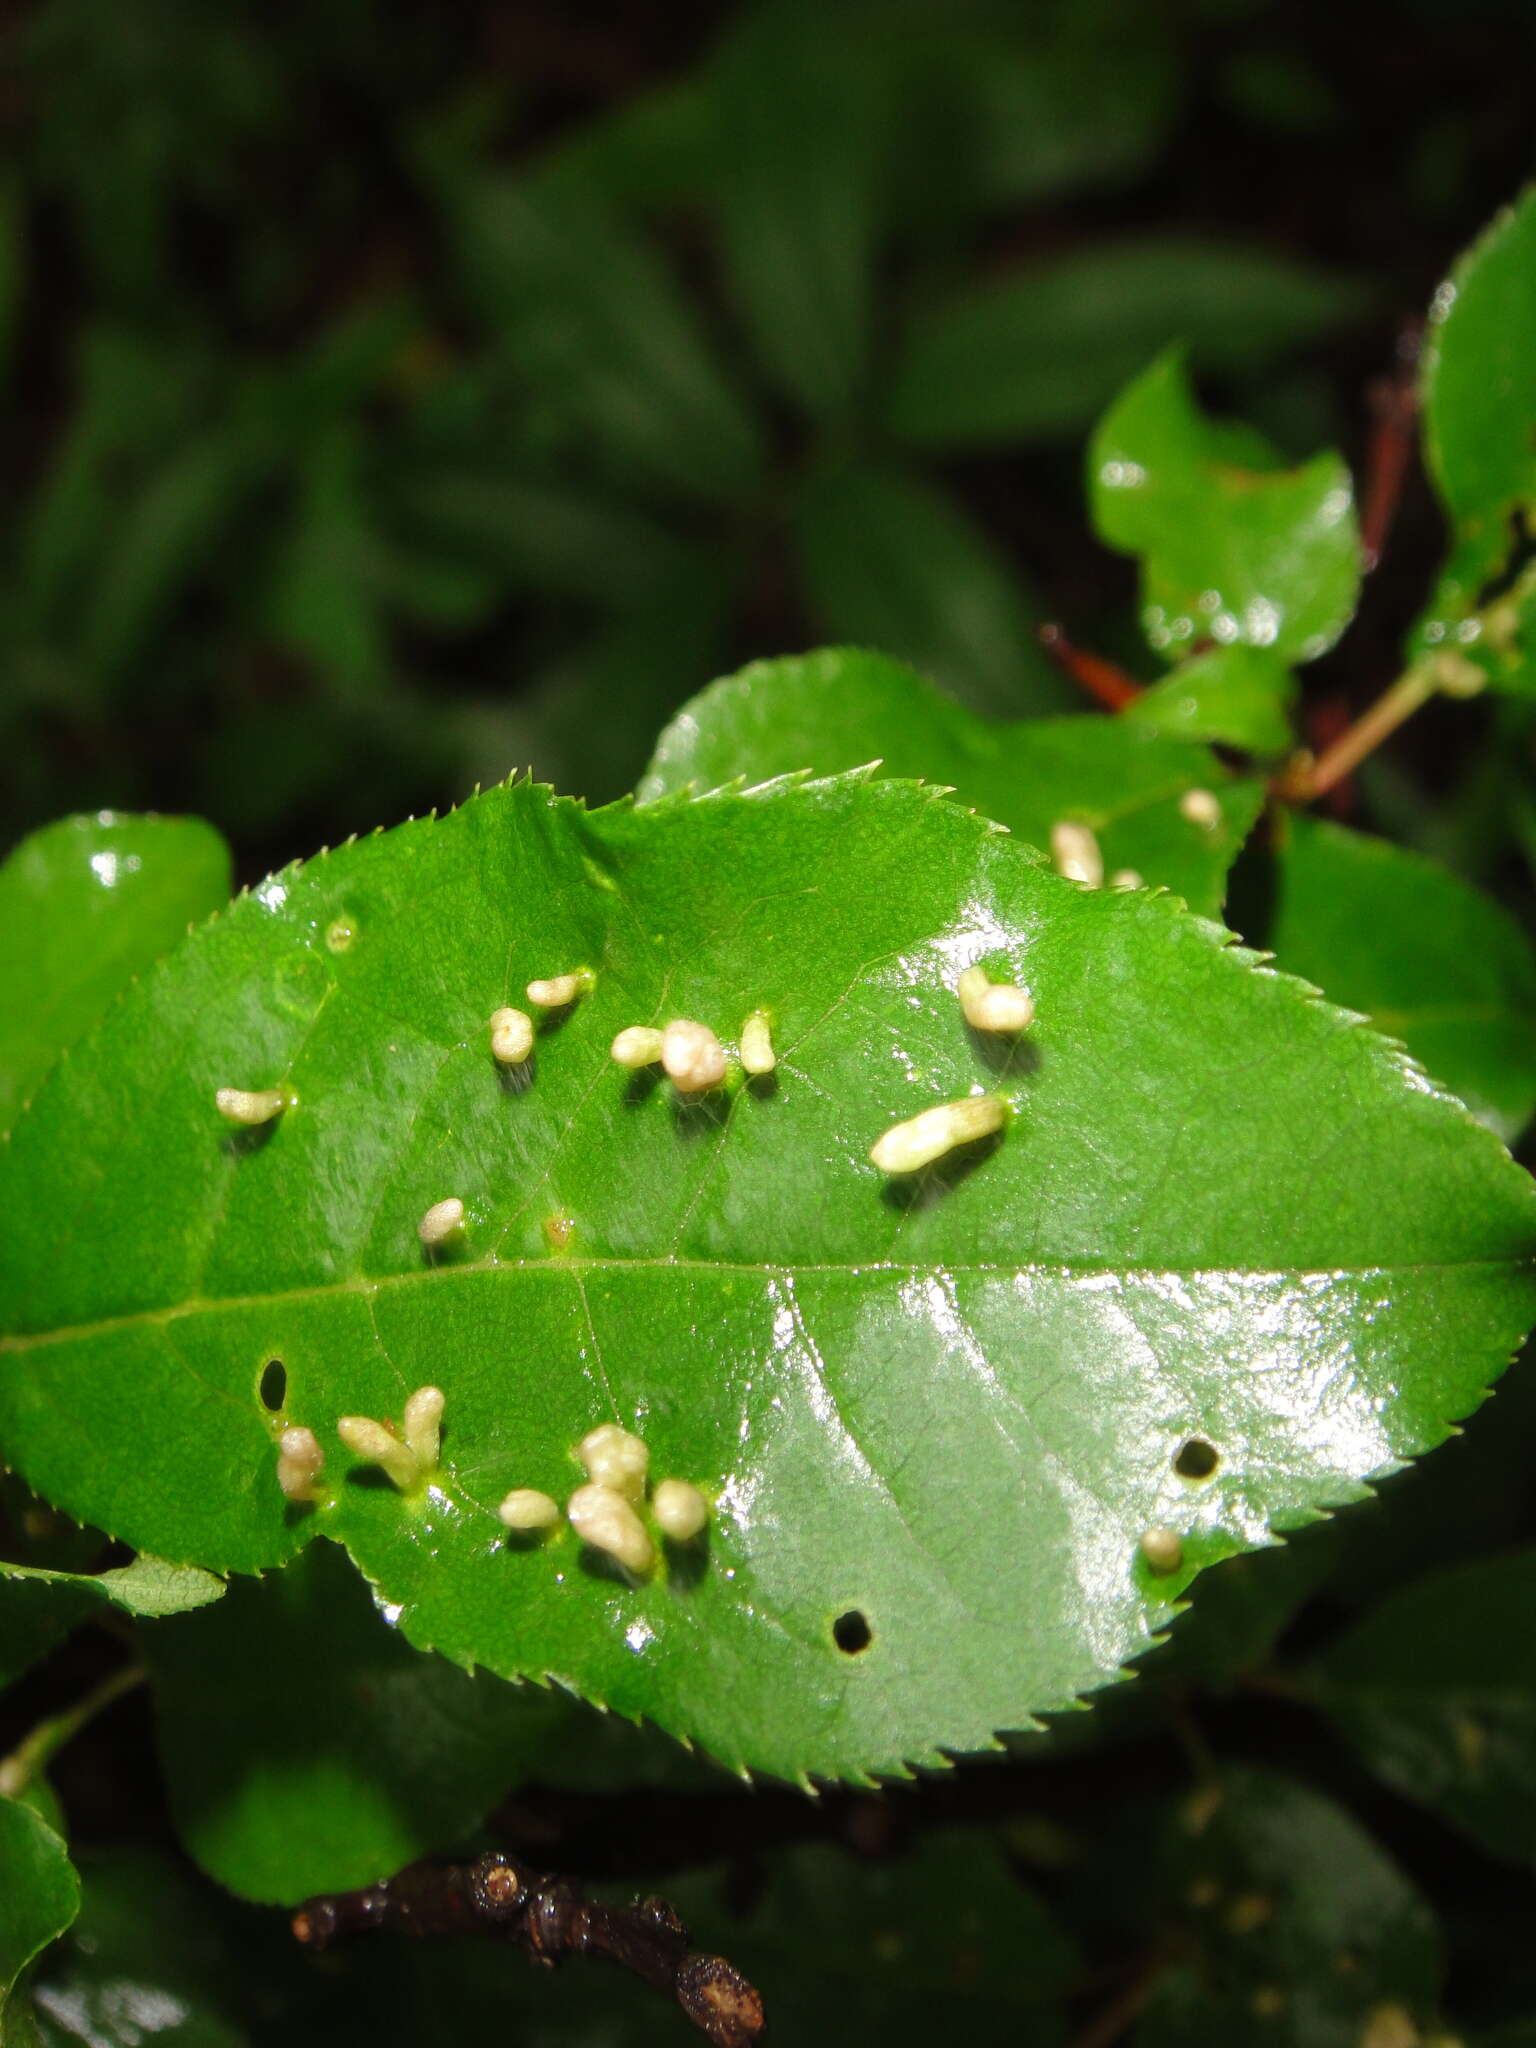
(371, 389)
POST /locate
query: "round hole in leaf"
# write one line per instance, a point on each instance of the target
(1196, 1459)
(852, 1633)
(274, 1384)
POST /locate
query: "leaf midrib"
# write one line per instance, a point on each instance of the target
(17, 1343)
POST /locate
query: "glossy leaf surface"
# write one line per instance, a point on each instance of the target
(1043, 350)
(1303, 1931)
(1233, 549)
(1223, 1210)
(308, 1749)
(85, 905)
(841, 707)
(39, 1895)
(1427, 957)
(892, 562)
(1436, 1689)
(1480, 390)
(1239, 695)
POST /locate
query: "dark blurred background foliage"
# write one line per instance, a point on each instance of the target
(400, 395)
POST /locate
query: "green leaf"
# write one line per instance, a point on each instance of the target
(588, 315)
(39, 1608)
(1301, 1928)
(1428, 958)
(85, 905)
(1232, 549)
(1209, 1170)
(893, 563)
(1436, 1689)
(841, 707)
(1479, 383)
(1041, 351)
(39, 1895)
(1240, 695)
(799, 151)
(308, 1749)
(153, 1949)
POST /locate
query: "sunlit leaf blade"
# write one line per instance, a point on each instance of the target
(1040, 351)
(39, 1895)
(1223, 1209)
(1302, 1931)
(85, 905)
(1480, 390)
(1427, 957)
(799, 153)
(361, 1757)
(841, 707)
(1436, 1689)
(1233, 549)
(1239, 695)
(891, 562)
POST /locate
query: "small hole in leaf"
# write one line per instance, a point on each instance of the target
(274, 1384)
(852, 1633)
(1196, 1459)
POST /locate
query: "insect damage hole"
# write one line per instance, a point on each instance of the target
(1196, 1459)
(273, 1385)
(852, 1633)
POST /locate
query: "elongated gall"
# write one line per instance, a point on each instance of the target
(606, 1520)
(300, 1461)
(441, 1221)
(421, 1425)
(637, 1046)
(374, 1441)
(559, 989)
(1076, 853)
(908, 1147)
(250, 1106)
(526, 1508)
(988, 1005)
(511, 1036)
(757, 1053)
(680, 1509)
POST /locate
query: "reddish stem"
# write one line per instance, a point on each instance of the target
(1394, 404)
(1104, 680)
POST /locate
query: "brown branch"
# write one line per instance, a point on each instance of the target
(547, 1917)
